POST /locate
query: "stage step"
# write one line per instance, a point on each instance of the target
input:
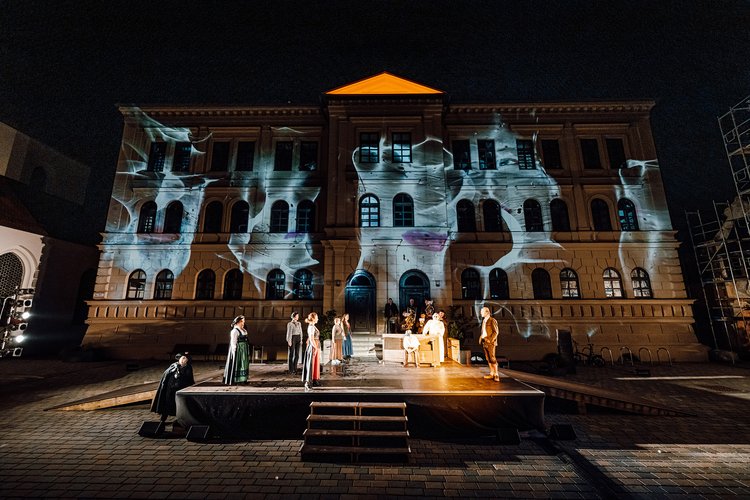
(356, 431)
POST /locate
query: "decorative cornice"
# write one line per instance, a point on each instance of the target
(203, 111)
(641, 106)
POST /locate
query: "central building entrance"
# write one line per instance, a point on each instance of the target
(360, 302)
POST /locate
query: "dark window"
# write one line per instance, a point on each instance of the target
(590, 153)
(470, 286)
(233, 285)
(308, 156)
(369, 147)
(525, 152)
(181, 160)
(569, 284)
(600, 215)
(204, 288)
(156, 157)
(493, 218)
(559, 215)
(486, 149)
(306, 217)
(401, 147)
(541, 284)
(275, 285)
(283, 159)
(136, 284)
(173, 218)
(220, 157)
(369, 211)
(532, 215)
(465, 217)
(212, 217)
(641, 283)
(616, 153)
(551, 154)
(499, 288)
(147, 219)
(627, 215)
(163, 285)
(245, 156)
(403, 211)
(279, 217)
(612, 283)
(303, 284)
(461, 155)
(239, 216)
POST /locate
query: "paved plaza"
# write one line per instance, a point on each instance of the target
(98, 454)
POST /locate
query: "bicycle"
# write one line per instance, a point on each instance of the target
(587, 356)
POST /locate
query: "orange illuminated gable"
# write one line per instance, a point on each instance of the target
(383, 84)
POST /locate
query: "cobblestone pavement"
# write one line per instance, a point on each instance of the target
(98, 454)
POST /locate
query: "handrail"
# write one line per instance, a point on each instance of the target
(669, 356)
(622, 359)
(611, 357)
(650, 359)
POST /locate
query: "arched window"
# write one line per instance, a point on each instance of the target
(204, 287)
(569, 284)
(403, 211)
(303, 284)
(136, 284)
(541, 284)
(173, 218)
(11, 276)
(238, 217)
(470, 286)
(233, 285)
(499, 284)
(163, 285)
(612, 283)
(276, 285)
(627, 215)
(369, 211)
(306, 217)
(493, 218)
(641, 283)
(600, 215)
(559, 215)
(279, 217)
(532, 216)
(147, 219)
(212, 217)
(467, 222)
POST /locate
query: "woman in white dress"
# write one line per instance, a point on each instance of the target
(437, 328)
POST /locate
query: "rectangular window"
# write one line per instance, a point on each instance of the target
(220, 157)
(402, 147)
(525, 152)
(181, 160)
(156, 157)
(369, 147)
(245, 156)
(308, 156)
(283, 159)
(461, 155)
(616, 153)
(590, 153)
(551, 154)
(486, 150)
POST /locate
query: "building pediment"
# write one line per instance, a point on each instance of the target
(384, 84)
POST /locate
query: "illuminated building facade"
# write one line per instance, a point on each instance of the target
(552, 214)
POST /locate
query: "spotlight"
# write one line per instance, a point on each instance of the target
(18, 339)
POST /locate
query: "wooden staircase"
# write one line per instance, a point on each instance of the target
(356, 431)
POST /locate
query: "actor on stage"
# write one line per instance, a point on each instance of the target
(294, 339)
(444, 321)
(488, 339)
(337, 341)
(436, 327)
(348, 347)
(311, 364)
(391, 316)
(429, 307)
(178, 376)
(411, 348)
(238, 357)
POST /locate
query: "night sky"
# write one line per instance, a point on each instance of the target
(64, 65)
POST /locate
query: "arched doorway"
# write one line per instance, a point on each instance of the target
(11, 277)
(360, 301)
(413, 284)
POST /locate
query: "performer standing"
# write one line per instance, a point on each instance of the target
(429, 307)
(391, 316)
(178, 376)
(294, 339)
(238, 357)
(444, 321)
(436, 327)
(311, 365)
(488, 340)
(337, 341)
(348, 347)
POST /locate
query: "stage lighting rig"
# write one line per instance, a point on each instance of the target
(14, 318)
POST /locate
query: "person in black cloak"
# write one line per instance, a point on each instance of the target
(178, 376)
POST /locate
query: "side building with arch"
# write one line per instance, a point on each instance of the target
(551, 214)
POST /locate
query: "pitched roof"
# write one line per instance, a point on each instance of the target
(384, 84)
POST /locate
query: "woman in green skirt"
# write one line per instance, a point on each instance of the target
(238, 357)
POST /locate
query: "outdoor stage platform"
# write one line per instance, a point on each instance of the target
(442, 402)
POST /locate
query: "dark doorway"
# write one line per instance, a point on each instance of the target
(413, 284)
(360, 302)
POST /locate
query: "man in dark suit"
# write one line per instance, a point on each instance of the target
(488, 339)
